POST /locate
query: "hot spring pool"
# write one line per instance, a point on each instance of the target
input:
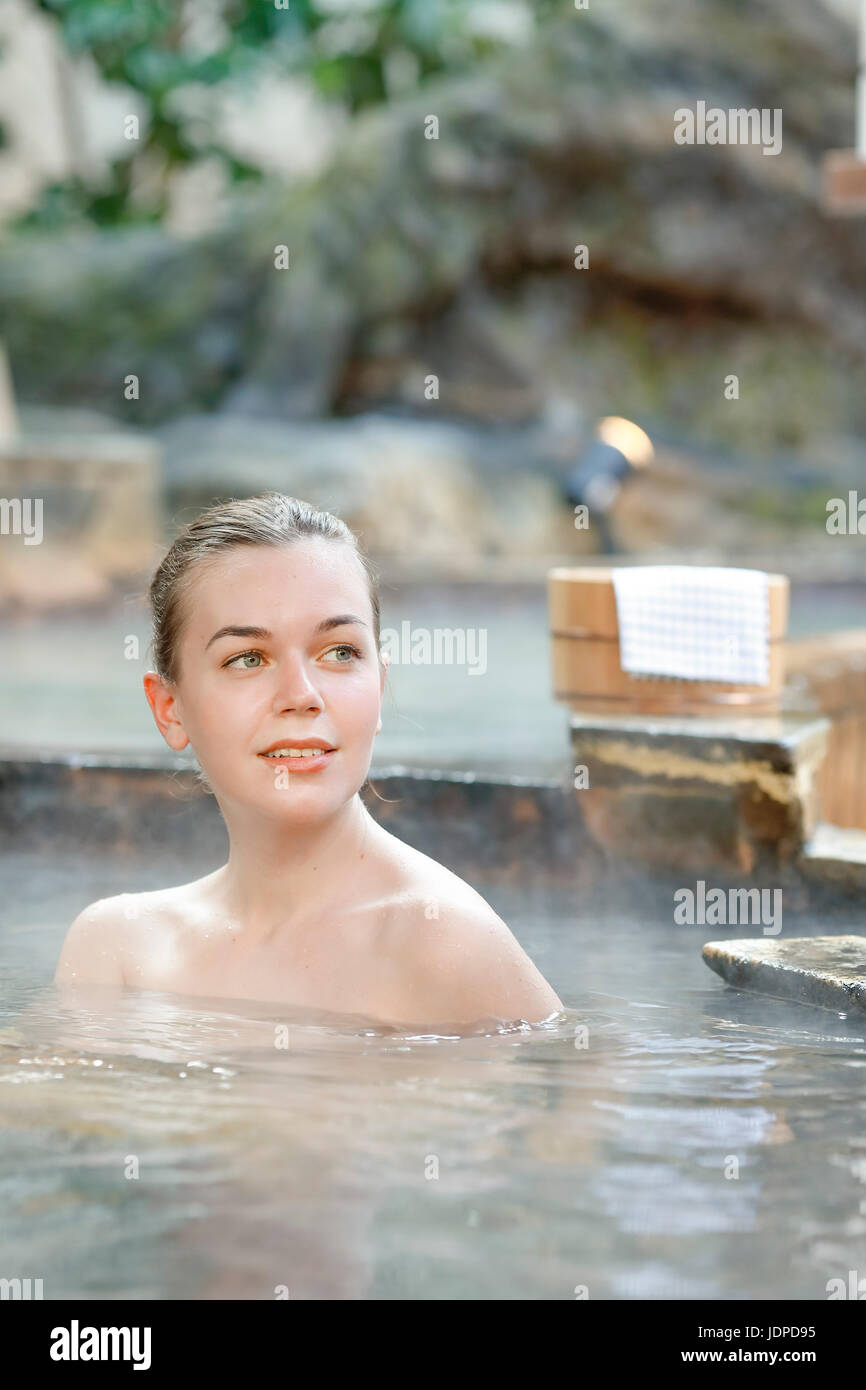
(366, 1165)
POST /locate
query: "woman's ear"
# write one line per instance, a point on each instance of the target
(162, 698)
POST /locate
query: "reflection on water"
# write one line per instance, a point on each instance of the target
(664, 1137)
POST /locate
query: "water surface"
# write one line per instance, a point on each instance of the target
(361, 1162)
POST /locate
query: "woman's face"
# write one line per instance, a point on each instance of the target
(306, 668)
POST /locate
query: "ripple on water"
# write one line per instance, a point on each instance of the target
(599, 1138)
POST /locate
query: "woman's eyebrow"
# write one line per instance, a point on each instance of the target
(341, 620)
(240, 632)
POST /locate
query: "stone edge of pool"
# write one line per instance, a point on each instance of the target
(641, 819)
(508, 827)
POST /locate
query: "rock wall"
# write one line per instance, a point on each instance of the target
(455, 256)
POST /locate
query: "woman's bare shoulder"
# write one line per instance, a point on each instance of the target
(409, 871)
(100, 939)
(92, 952)
(461, 961)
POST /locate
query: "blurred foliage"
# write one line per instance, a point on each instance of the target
(791, 503)
(357, 52)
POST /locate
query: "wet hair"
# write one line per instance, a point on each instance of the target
(272, 519)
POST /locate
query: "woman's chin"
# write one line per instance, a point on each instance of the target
(302, 800)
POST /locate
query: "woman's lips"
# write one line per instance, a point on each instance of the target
(307, 764)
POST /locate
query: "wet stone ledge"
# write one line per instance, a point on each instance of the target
(736, 795)
(509, 829)
(828, 971)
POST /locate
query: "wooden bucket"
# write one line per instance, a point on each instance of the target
(586, 658)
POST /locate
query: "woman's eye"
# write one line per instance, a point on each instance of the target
(344, 647)
(245, 656)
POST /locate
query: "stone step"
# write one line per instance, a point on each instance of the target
(828, 971)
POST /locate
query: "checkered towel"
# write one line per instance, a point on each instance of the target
(696, 623)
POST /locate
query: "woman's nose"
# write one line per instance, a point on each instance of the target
(295, 688)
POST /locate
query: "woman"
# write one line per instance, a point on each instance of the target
(266, 647)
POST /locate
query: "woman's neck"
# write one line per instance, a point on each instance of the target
(278, 876)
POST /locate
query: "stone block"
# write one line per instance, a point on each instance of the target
(78, 516)
(735, 795)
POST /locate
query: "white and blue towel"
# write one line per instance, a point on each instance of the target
(698, 623)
